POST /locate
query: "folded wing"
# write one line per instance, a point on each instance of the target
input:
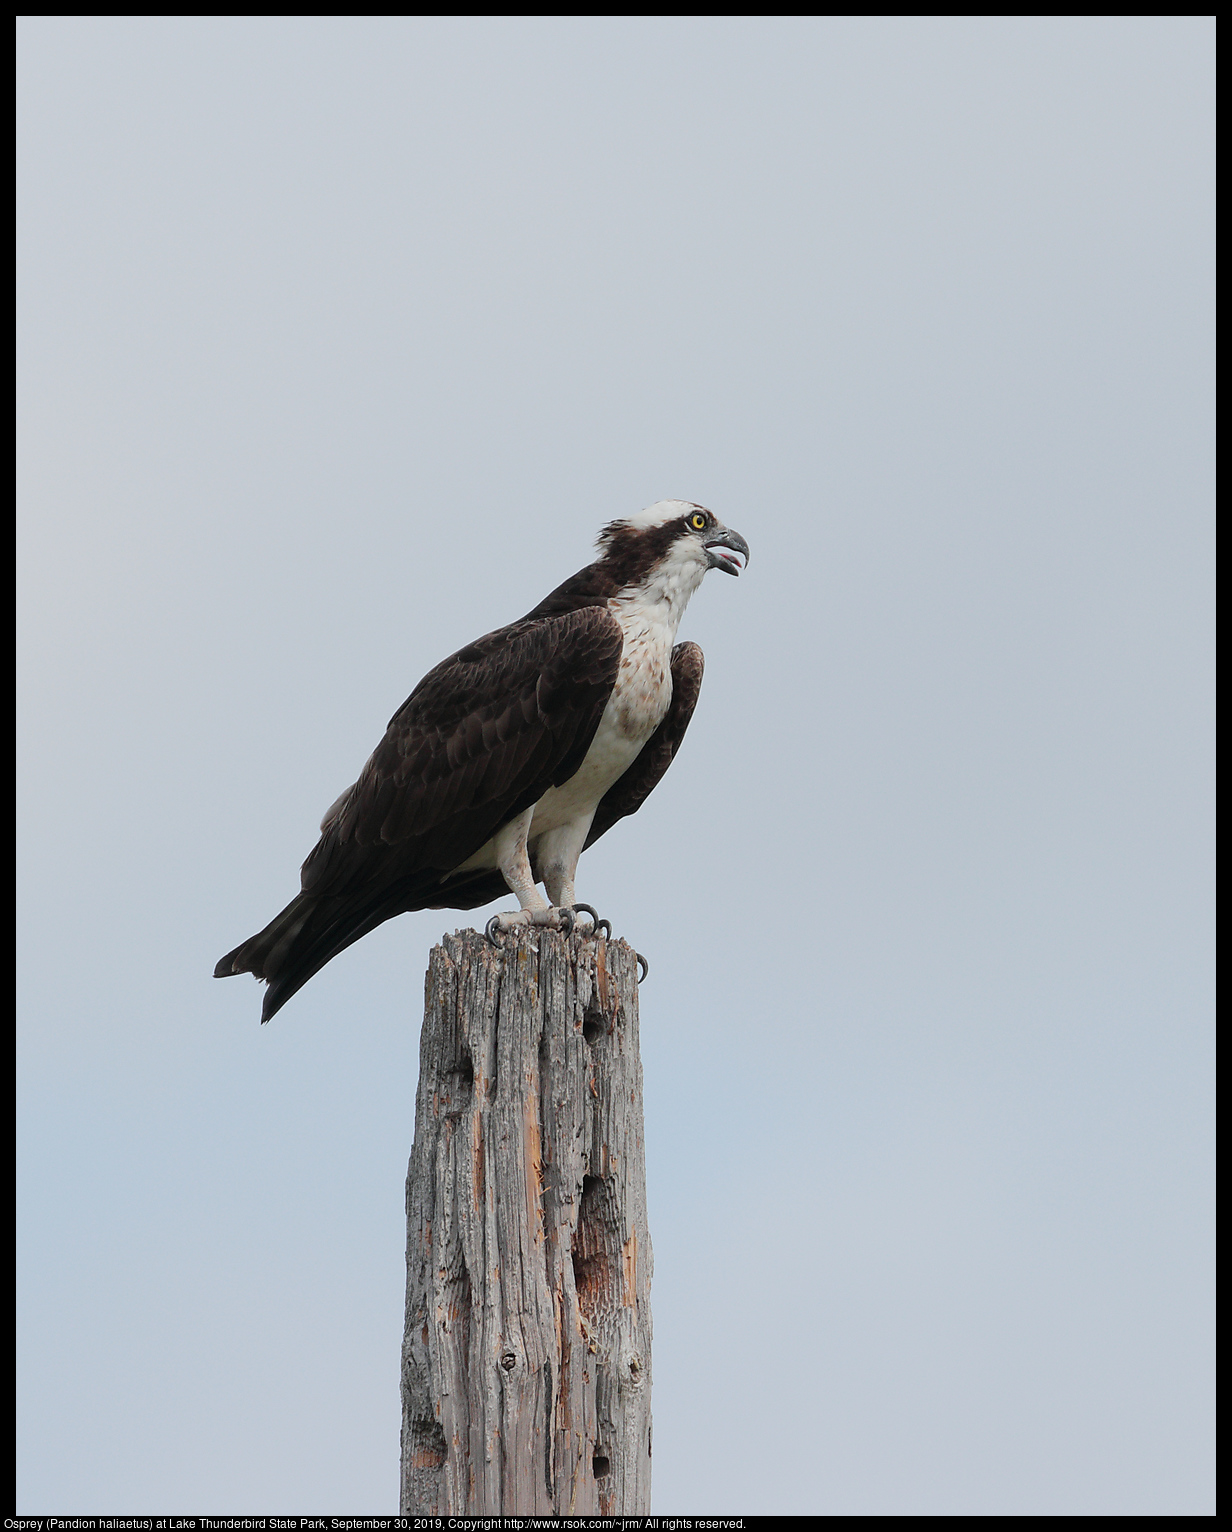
(481, 738)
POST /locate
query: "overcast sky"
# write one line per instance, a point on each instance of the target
(338, 342)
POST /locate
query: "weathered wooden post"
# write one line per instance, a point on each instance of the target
(526, 1357)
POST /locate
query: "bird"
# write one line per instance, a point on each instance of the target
(512, 756)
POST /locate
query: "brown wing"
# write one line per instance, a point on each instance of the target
(627, 794)
(480, 739)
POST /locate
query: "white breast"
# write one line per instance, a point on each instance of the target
(649, 617)
(638, 704)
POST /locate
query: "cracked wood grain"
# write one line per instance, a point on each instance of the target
(526, 1357)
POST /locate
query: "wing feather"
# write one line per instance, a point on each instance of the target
(480, 739)
(482, 736)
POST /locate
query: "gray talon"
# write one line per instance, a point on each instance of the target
(643, 965)
(567, 913)
(490, 930)
(599, 923)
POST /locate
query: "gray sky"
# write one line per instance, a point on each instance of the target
(338, 341)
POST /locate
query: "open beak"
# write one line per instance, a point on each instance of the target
(726, 550)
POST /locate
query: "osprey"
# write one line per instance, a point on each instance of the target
(512, 756)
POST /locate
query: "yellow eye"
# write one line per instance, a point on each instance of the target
(697, 521)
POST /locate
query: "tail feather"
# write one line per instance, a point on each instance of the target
(298, 966)
(254, 956)
(270, 953)
(301, 939)
(315, 928)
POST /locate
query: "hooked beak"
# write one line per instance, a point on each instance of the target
(726, 550)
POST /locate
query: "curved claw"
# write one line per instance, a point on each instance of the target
(599, 923)
(643, 965)
(491, 929)
(567, 914)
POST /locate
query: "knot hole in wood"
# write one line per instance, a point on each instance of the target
(596, 1249)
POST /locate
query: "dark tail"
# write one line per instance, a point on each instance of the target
(266, 955)
(315, 928)
(300, 940)
(296, 944)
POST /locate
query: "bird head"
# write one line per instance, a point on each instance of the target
(673, 539)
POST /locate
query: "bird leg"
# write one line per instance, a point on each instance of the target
(556, 856)
(514, 863)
